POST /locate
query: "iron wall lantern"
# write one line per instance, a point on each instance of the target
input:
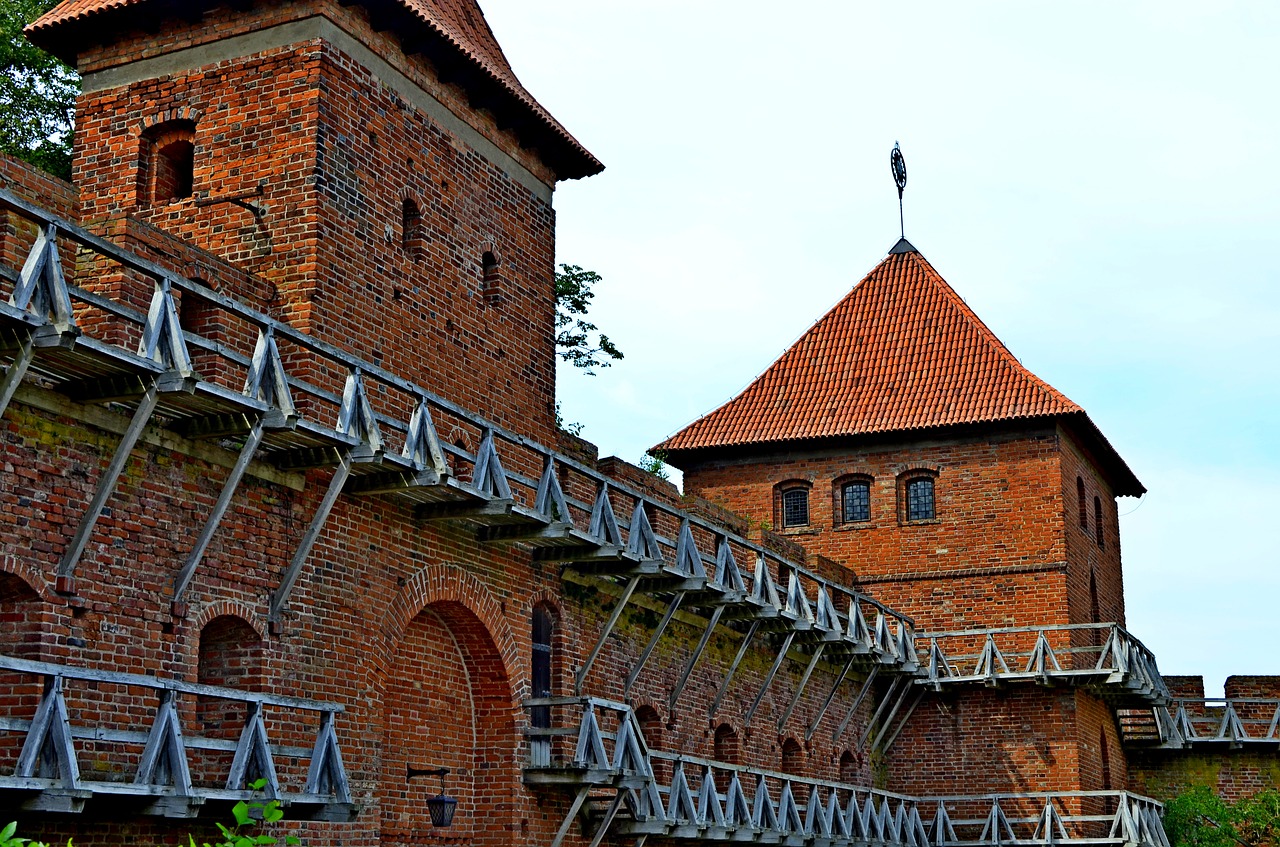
(441, 807)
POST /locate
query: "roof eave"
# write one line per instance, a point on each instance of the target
(560, 151)
(1122, 479)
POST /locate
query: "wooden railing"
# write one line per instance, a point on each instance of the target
(641, 792)
(1104, 655)
(114, 334)
(1186, 723)
(71, 734)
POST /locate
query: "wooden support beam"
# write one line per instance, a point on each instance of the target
(183, 579)
(604, 634)
(857, 701)
(902, 724)
(106, 485)
(733, 667)
(826, 704)
(16, 371)
(281, 595)
(889, 696)
(888, 719)
(693, 659)
(768, 678)
(804, 680)
(574, 808)
(607, 820)
(672, 607)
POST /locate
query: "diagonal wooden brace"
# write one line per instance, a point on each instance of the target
(733, 668)
(604, 634)
(826, 704)
(857, 701)
(17, 370)
(653, 642)
(804, 680)
(183, 579)
(768, 678)
(290, 578)
(697, 654)
(106, 485)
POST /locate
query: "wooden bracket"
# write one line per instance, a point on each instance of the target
(106, 485)
(290, 578)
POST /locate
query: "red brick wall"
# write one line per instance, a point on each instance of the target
(337, 152)
(998, 528)
(1087, 557)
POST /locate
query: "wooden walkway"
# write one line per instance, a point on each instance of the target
(89, 717)
(622, 788)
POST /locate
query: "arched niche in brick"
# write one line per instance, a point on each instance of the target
(448, 703)
(21, 626)
(166, 162)
(653, 729)
(230, 655)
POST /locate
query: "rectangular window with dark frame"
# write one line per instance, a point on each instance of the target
(795, 507)
(920, 499)
(856, 500)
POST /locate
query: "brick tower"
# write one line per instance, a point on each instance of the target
(377, 163)
(900, 438)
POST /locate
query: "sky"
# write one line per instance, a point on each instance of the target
(1099, 181)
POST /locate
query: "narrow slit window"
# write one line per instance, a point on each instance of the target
(1084, 509)
(1097, 521)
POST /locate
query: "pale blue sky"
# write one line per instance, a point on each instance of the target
(1098, 180)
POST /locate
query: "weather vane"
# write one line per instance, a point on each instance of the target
(900, 178)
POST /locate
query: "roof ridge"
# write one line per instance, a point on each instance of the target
(901, 350)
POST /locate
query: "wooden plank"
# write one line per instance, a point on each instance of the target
(604, 634)
(49, 669)
(229, 486)
(106, 485)
(733, 666)
(164, 759)
(768, 678)
(707, 632)
(653, 642)
(16, 371)
(290, 578)
(48, 750)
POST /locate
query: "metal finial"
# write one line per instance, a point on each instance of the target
(899, 168)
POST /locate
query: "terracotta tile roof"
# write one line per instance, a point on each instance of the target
(460, 23)
(900, 352)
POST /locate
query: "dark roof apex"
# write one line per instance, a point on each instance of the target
(903, 246)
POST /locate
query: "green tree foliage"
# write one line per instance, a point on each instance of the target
(37, 93)
(1200, 818)
(578, 341)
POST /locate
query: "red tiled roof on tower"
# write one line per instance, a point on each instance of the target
(901, 352)
(458, 23)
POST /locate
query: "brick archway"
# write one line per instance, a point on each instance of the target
(448, 702)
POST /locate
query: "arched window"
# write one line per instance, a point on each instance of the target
(920, 499)
(1097, 521)
(167, 169)
(1084, 509)
(412, 232)
(540, 682)
(854, 500)
(490, 278)
(793, 508)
